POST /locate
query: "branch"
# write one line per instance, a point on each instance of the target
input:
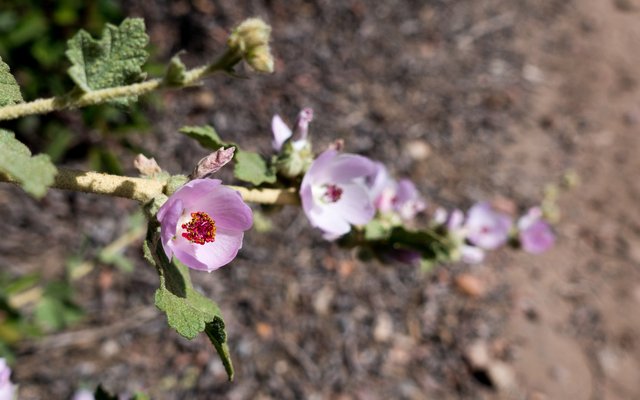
(143, 190)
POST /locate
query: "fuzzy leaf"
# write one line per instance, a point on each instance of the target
(206, 135)
(252, 168)
(188, 311)
(176, 72)
(114, 60)
(9, 89)
(34, 174)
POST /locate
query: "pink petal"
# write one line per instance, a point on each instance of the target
(354, 205)
(168, 215)
(281, 132)
(221, 252)
(227, 209)
(331, 223)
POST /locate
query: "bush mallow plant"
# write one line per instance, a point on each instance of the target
(198, 223)
(202, 224)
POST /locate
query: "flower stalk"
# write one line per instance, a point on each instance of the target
(144, 190)
(43, 106)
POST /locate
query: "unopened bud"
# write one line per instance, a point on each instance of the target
(251, 33)
(260, 59)
(212, 163)
(146, 166)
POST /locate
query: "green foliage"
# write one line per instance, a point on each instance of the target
(114, 60)
(250, 167)
(33, 42)
(188, 311)
(205, 135)
(9, 89)
(35, 174)
(55, 310)
(176, 72)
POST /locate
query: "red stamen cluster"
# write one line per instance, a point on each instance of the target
(332, 193)
(201, 229)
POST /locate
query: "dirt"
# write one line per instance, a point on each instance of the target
(502, 97)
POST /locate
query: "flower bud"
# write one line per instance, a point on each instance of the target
(250, 40)
(146, 166)
(250, 34)
(212, 163)
(261, 59)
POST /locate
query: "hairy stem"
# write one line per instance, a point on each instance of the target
(143, 190)
(43, 106)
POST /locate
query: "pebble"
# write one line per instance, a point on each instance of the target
(477, 355)
(383, 328)
(470, 285)
(418, 150)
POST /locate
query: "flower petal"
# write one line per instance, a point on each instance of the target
(222, 251)
(169, 215)
(281, 132)
(227, 209)
(354, 205)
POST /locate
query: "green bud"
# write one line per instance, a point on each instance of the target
(292, 162)
(250, 40)
(251, 33)
(261, 59)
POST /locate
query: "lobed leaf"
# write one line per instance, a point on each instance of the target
(188, 311)
(9, 89)
(206, 135)
(114, 60)
(35, 174)
(251, 167)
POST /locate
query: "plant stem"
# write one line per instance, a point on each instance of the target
(43, 106)
(144, 190)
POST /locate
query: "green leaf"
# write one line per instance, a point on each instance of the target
(205, 135)
(114, 60)
(251, 167)
(176, 72)
(34, 174)
(375, 230)
(9, 89)
(188, 311)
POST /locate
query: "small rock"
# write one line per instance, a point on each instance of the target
(418, 150)
(501, 375)
(477, 355)
(323, 299)
(383, 328)
(532, 74)
(470, 285)
(264, 330)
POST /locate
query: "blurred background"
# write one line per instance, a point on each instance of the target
(472, 99)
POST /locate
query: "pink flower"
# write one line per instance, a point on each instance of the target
(487, 228)
(391, 196)
(534, 233)
(454, 223)
(7, 389)
(334, 193)
(202, 224)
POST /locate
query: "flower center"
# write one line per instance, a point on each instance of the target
(201, 229)
(332, 193)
